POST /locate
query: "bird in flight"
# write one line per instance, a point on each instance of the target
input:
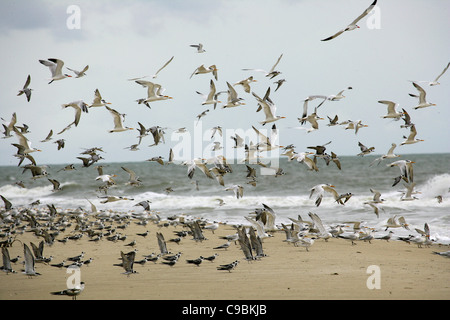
(353, 25)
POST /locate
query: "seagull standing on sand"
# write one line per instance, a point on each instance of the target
(214, 226)
(229, 266)
(444, 253)
(305, 242)
(55, 66)
(352, 236)
(225, 246)
(197, 261)
(353, 25)
(386, 237)
(71, 292)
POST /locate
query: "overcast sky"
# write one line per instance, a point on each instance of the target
(125, 39)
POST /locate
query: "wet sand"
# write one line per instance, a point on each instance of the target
(330, 270)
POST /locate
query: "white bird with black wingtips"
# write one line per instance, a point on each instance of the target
(353, 25)
(55, 66)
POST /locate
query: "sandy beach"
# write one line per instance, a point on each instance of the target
(329, 270)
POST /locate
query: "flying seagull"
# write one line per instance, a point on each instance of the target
(435, 82)
(98, 100)
(272, 73)
(55, 66)
(156, 74)
(199, 47)
(423, 103)
(118, 126)
(25, 89)
(353, 25)
(71, 292)
(81, 73)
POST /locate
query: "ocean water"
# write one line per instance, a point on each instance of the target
(288, 195)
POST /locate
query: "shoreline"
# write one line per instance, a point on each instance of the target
(329, 270)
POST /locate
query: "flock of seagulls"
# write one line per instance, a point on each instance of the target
(262, 223)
